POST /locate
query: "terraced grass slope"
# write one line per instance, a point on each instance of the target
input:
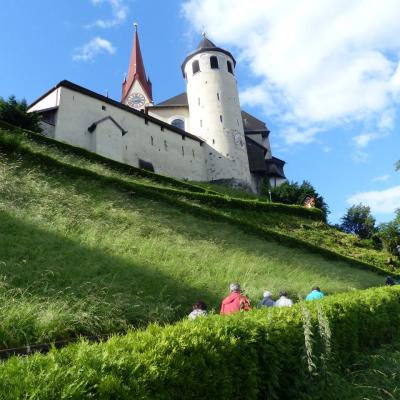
(90, 247)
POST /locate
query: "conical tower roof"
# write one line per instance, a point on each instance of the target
(204, 46)
(137, 71)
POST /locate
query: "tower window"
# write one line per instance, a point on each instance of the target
(229, 65)
(195, 67)
(178, 123)
(198, 101)
(220, 118)
(214, 62)
(218, 96)
(213, 141)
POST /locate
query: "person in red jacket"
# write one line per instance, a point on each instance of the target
(235, 302)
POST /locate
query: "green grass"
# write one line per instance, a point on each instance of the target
(374, 376)
(298, 227)
(80, 257)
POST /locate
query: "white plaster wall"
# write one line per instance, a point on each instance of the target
(50, 101)
(213, 93)
(168, 114)
(78, 111)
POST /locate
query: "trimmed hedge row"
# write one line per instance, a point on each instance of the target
(274, 354)
(191, 192)
(155, 193)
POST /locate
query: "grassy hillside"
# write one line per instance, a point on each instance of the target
(81, 253)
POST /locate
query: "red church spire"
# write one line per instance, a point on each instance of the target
(136, 71)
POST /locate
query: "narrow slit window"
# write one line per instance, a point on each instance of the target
(214, 62)
(165, 145)
(218, 96)
(193, 154)
(201, 123)
(183, 151)
(229, 65)
(220, 118)
(152, 140)
(195, 67)
(198, 101)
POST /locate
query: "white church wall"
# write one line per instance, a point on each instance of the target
(50, 101)
(168, 114)
(215, 116)
(147, 141)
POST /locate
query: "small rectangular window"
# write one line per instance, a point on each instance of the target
(213, 141)
(183, 137)
(183, 151)
(220, 118)
(152, 140)
(162, 128)
(103, 108)
(218, 96)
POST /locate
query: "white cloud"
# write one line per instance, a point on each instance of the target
(381, 178)
(119, 14)
(360, 156)
(384, 201)
(91, 49)
(319, 62)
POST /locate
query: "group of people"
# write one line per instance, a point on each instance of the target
(236, 301)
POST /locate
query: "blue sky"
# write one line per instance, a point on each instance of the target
(324, 75)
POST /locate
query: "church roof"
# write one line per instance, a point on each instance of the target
(179, 100)
(250, 123)
(136, 72)
(204, 46)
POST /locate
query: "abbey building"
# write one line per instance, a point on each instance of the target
(200, 135)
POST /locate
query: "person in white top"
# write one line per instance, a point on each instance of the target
(283, 300)
(199, 310)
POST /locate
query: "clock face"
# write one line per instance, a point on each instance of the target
(136, 100)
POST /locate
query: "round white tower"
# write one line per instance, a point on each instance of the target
(215, 113)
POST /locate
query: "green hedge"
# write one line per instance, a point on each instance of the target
(176, 198)
(256, 355)
(187, 191)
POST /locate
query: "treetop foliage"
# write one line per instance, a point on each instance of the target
(295, 193)
(359, 221)
(15, 112)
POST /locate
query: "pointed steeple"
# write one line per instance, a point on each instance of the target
(136, 71)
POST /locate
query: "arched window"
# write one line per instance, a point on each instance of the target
(229, 64)
(195, 66)
(214, 62)
(178, 123)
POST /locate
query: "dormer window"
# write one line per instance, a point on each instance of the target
(178, 123)
(195, 67)
(229, 65)
(214, 62)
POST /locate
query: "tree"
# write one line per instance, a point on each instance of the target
(294, 193)
(16, 113)
(389, 233)
(359, 221)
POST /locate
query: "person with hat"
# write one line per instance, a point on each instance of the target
(236, 301)
(267, 300)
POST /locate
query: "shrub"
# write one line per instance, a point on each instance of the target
(262, 354)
